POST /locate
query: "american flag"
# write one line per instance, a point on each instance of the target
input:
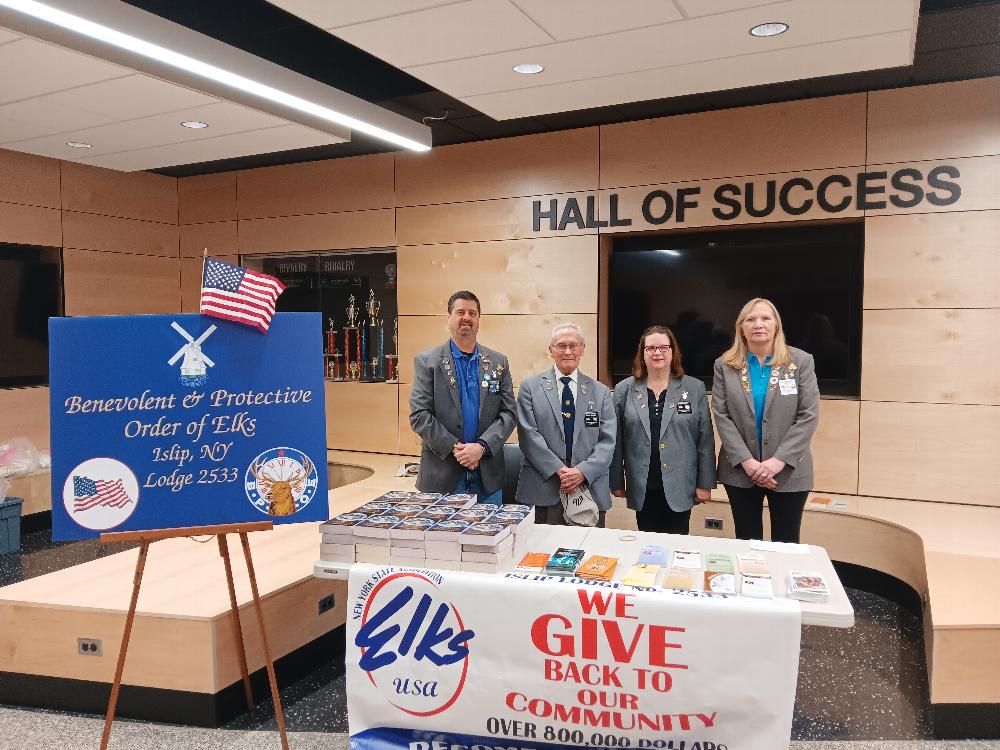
(236, 294)
(89, 493)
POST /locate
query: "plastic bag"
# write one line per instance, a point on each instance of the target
(19, 456)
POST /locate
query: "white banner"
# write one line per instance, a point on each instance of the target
(458, 661)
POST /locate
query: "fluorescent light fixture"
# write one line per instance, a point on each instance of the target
(120, 13)
(78, 144)
(194, 124)
(675, 253)
(771, 28)
(528, 68)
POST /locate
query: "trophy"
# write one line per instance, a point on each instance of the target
(333, 355)
(352, 365)
(372, 307)
(391, 360)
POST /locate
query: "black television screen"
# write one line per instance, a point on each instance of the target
(30, 293)
(696, 283)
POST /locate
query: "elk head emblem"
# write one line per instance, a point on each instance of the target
(281, 492)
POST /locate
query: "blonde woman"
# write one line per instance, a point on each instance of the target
(766, 404)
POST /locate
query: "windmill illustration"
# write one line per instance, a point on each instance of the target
(193, 370)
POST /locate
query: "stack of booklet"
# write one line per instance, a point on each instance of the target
(807, 586)
(597, 568)
(720, 576)
(685, 571)
(564, 562)
(755, 576)
(652, 558)
(486, 547)
(532, 562)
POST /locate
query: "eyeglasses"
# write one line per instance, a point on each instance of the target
(657, 349)
(566, 347)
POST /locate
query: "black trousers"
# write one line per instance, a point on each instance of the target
(747, 504)
(552, 515)
(657, 516)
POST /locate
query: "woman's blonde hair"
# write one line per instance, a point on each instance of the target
(736, 355)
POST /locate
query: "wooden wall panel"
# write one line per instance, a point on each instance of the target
(120, 284)
(509, 277)
(219, 237)
(29, 180)
(790, 136)
(362, 417)
(207, 197)
(978, 181)
(350, 184)
(476, 221)
(26, 413)
(505, 168)
(523, 338)
(131, 195)
(112, 234)
(935, 122)
(352, 229)
(191, 272)
(835, 446)
(932, 260)
(30, 225)
(931, 356)
(934, 452)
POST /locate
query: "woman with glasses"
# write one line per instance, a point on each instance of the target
(766, 404)
(664, 458)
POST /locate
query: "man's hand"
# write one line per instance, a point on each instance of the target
(618, 493)
(468, 454)
(570, 478)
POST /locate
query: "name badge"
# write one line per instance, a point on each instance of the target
(590, 419)
(788, 387)
(683, 407)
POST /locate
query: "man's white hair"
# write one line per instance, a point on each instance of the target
(567, 327)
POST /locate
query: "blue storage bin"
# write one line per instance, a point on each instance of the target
(10, 525)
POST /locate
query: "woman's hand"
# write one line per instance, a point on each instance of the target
(618, 493)
(767, 471)
(702, 495)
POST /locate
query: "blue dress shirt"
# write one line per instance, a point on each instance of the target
(760, 377)
(467, 375)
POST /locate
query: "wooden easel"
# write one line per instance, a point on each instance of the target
(145, 538)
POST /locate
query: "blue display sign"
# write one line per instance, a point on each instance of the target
(164, 421)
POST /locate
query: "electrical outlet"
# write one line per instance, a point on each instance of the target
(89, 647)
(326, 604)
(713, 523)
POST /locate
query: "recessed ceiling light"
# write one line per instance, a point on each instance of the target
(772, 28)
(674, 253)
(194, 124)
(528, 68)
(78, 144)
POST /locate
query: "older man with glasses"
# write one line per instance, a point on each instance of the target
(566, 429)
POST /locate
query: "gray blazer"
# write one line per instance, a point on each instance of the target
(788, 427)
(543, 444)
(687, 443)
(436, 416)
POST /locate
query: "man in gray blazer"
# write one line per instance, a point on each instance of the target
(462, 407)
(566, 429)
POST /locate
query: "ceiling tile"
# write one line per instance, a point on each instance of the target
(695, 8)
(131, 97)
(326, 14)
(574, 19)
(44, 68)
(8, 36)
(879, 51)
(282, 138)
(702, 39)
(31, 118)
(450, 32)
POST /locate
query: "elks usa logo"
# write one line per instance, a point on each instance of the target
(414, 646)
(281, 481)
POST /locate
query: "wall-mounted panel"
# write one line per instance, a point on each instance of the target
(476, 221)
(131, 195)
(219, 238)
(947, 185)
(931, 356)
(928, 451)
(347, 230)
(932, 260)
(362, 417)
(30, 225)
(511, 277)
(559, 162)
(28, 179)
(115, 235)
(523, 338)
(835, 446)
(789, 136)
(98, 283)
(191, 273)
(207, 197)
(350, 184)
(935, 122)
(26, 413)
